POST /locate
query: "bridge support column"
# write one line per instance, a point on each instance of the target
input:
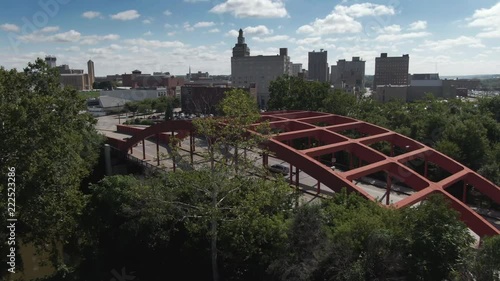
(464, 195)
(319, 188)
(194, 142)
(350, 161)
(389, 183)
(107, 159)
(158, 149)
(265, 159)
(144, 149)
(291, 174)
(297, 176)
(191, 146)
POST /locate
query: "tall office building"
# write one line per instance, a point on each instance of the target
(90, 67)
(248, 70)
(391, 70)
(296, 69)
(318, 66)
(51, 61)
(349, 75)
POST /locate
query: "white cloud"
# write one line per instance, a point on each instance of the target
(9, 27)
(91, 14)
(252, 9)
(94, 39)
(232, 33)
(105, 50)
(195, 1)
(49, 29)
(126, 15)
(488, 20)
(154, 43)
(272, 38)
(188, 27)
(215, 30)
(342, 19)
(391, 29)
(172, 33)
(333, 23)
(418, 25)
(167, 13)
(451, 43)
(485, 17)
(69, 36)
(204, 24)
(146, 21)
(489, 34)
(365, 9)
(70, 49)
(149, 33)
(400, 36)
(257, 30)
(64, 37)
(309, 41)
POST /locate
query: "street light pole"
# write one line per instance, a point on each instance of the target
(119, 113)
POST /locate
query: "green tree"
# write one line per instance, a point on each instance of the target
(364, 241)
(242, 218)
(290, 92)
(52, 147)
(486, 261)
(438, 242)
(169, 112)
(305, 245)
(225, 137)
(126, 221)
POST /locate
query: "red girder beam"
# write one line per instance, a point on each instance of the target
(472, 219)
(332, 120)
(314, 168)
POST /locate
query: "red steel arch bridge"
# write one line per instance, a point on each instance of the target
(314, 141)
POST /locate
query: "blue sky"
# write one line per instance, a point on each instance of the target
(451, 37)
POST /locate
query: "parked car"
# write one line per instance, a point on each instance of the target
(278, 168)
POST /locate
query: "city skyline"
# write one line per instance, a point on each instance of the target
(458, 39)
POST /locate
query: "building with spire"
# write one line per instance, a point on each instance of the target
(257, 71)
(241, 49)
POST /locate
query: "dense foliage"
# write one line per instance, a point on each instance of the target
(52, 147)
(161, 104)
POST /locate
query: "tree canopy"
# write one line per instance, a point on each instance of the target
(52, 146)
